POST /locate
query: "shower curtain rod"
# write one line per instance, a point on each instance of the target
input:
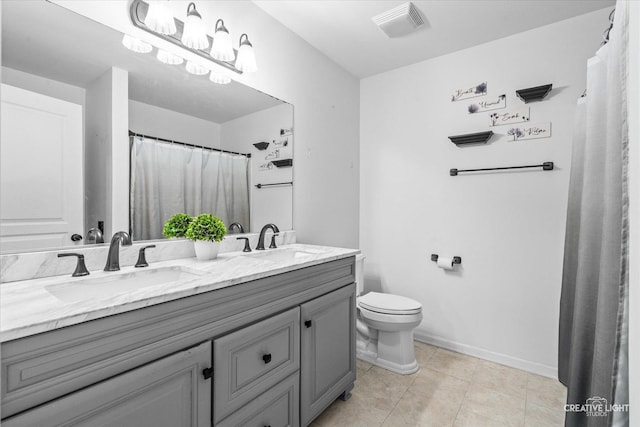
(186, 144)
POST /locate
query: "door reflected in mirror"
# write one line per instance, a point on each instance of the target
(95, 136)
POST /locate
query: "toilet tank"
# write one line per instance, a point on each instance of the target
(359, 273)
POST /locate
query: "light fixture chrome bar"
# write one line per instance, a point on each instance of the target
(138, 12)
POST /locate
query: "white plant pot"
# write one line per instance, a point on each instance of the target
(206, 250)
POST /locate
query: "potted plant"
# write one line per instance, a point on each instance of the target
(176, 226)
(206, 231)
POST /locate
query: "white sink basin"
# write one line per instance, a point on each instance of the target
(111, 284)
(282, 254)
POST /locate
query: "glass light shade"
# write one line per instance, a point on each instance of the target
(169, 58)
(194, 35)
(222, 46)
(159, 18)
(135, 44)
(246, 61)
(219, 77)
(197, 69)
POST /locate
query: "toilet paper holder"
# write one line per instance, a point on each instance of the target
(456, 259)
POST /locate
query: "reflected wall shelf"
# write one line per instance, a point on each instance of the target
(472, 138)
(261, 145)
(537, 93)
(282, 163)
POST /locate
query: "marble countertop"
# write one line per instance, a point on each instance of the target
(27, 307)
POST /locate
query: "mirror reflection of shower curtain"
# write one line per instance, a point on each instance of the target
(171, 178)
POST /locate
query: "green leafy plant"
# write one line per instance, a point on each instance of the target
(177, 225)
(206, 227)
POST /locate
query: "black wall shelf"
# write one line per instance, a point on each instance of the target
(537, 93)
(472, 138)
(282, 163)
(261, 145)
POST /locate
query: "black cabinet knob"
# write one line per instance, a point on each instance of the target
(307, 323)
(76, 237)
(266, 358)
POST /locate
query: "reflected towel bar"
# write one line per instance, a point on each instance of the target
(547, 166)
(274, 184)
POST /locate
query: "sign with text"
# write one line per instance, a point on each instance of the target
(530, 131)
(512, 116)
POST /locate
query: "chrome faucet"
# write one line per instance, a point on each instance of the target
(113, 259)
(273, 228)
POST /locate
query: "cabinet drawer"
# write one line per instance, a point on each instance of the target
(250, 361)
(277, 407)
(168, 392)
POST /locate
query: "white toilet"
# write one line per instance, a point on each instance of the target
(385, 326)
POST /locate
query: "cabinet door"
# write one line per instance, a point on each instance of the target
(328, 351)
(169, 392)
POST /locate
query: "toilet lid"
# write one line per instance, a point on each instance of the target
(389, 304)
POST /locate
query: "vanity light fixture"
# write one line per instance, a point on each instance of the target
(169, 58)
(219, 77)
(194, 35)
(159, 18)
(222, 47)
(197, 69)
(136, 45)
(246, 60)
(155, 17)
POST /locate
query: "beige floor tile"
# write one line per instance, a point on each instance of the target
(424, 352)
(543, 391)
(419, 409)
(501, 378)
(484, 406)
(368, 406)
(430, 382)
(363, 365)
(455, 364)
(391, 378)
(542, 416)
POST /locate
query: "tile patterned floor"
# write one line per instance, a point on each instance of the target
(450, 389)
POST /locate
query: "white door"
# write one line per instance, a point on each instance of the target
(41, 185)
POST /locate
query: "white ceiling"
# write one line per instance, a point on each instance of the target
(343, 30)
(50, 41)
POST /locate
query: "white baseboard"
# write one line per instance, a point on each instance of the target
(503, 359)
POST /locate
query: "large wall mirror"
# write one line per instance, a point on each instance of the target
(74, 98)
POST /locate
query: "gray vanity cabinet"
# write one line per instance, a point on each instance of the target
(168, 392)
(328, 352)
(132, 369)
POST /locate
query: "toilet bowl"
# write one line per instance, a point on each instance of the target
(384, 325)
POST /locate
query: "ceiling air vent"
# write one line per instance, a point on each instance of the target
(400, 20)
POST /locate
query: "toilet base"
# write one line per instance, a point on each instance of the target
(392, 351)
(407, 369)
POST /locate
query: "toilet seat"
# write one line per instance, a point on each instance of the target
(389, 304)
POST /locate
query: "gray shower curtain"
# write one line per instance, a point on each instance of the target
(170, 178)
(594, 302)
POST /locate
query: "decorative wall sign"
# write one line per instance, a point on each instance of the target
(286, 131)
(265, 167)
(469, 92)
(513, 116)
(275, 154)
(495, 104)
(281, 142)
(527, 131)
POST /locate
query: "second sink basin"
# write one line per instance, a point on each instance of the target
(111, 284)
(284, 254)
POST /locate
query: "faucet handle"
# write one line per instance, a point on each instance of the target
(273, 241)
(247, 248)
(81, 268)
(142, 260)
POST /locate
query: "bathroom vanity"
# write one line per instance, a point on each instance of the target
(265, 339)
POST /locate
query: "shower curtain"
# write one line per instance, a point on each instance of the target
(592, 357)
(171, 178)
